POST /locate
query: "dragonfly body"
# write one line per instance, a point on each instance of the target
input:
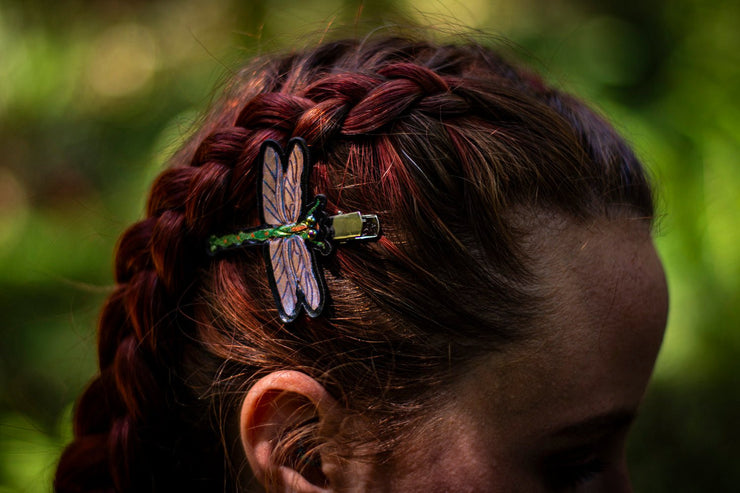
(293, 231)
(308, 229)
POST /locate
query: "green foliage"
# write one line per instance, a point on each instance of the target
(95, 95)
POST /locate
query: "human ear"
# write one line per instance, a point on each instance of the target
(286, 417)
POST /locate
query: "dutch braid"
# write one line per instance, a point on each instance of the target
(147, 422)
(155, 257)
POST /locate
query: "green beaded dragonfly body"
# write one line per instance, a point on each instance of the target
(308, 229)
(294, 231)
(291, 232)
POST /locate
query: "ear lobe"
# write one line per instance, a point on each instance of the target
(283, 416)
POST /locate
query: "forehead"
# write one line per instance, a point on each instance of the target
(593, 350)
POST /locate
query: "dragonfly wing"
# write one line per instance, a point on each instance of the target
(293, 181)
(306, 278)
(283, 278)
(293, 274)
(273, 209)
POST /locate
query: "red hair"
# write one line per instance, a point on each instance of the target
(451, 146)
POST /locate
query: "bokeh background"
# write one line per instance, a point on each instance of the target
(94, 96)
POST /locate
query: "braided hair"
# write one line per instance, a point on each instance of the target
(450, 145)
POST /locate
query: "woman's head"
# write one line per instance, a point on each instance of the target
(516, 240)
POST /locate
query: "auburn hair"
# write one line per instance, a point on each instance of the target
(451, 145)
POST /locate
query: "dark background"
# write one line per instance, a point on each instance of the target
(95, 95)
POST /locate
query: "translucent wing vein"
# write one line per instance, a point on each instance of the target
(272, 188)
(284, 276)
(292, 190)
(305, 277)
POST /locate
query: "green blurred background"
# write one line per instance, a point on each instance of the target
(94, 95)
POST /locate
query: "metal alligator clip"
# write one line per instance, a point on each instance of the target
(355, 226)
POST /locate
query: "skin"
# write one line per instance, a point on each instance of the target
(549, 414)
(552, 414)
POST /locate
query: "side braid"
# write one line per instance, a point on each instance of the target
(113, 408)
(125, 415)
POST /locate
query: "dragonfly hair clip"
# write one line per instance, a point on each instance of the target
(294, 230)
